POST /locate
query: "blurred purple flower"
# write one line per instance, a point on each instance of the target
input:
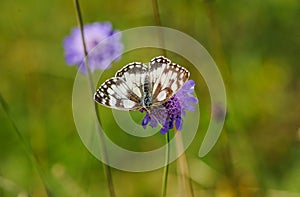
(172, 111)
(99, 56)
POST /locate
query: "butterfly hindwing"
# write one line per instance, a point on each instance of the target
(115, 93)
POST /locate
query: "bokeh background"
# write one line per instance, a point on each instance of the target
(256, 45)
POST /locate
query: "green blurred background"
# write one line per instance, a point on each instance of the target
(256, 45)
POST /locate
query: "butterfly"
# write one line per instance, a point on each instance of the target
(138, 86)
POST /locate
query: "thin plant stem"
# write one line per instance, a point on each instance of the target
(167, 157)
(166, 169)
(28, 148)
(158, 23)
(156, 12)
(184, 178)
(107, 168)
(80, 22)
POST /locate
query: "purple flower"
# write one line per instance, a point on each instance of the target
(171, 112)
(99, 56)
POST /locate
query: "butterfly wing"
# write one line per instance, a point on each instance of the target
(115, 93)
(166, 78)
(135, 81)
(134, 74)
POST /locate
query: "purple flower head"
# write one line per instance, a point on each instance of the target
(99, 56)
(171, 112)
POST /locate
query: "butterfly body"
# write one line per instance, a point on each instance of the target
(147, 98)
(137, 86)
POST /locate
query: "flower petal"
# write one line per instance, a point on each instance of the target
(189, 84)
(101, 51)
(179, 122)
(146, 120)
(174, 109)
(164, 130)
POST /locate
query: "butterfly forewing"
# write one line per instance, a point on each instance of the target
(115, 93)
(156, 69)
(134, 74)
(166, 78)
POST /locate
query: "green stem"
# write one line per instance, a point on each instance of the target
(158, 23)
(27, 147)
(156, 12)
(107, 168)
(80, 22)
(166, 169)
(161, 40)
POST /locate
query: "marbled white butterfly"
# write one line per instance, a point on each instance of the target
(138, 86)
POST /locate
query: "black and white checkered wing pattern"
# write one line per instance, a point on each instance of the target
(166, 78)
(134, 74)
(138, 86)
(116, 94)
